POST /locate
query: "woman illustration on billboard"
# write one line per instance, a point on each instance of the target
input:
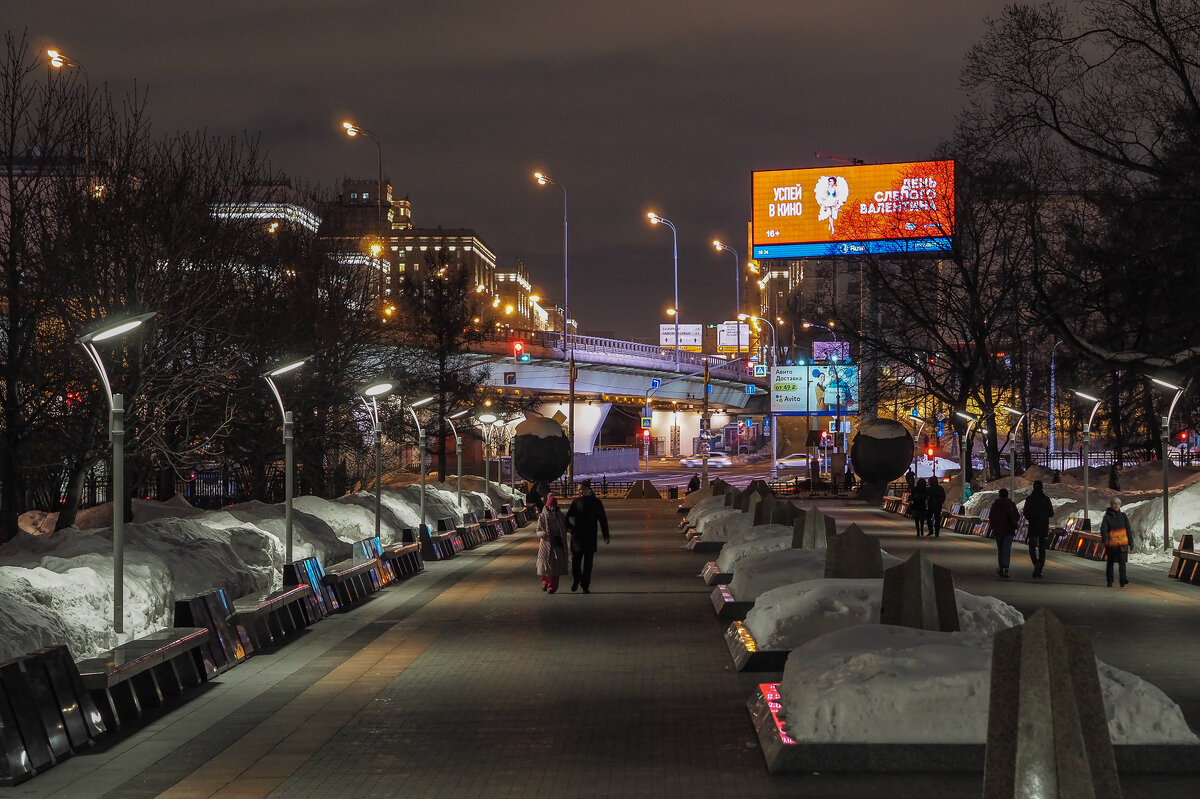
(831, 194)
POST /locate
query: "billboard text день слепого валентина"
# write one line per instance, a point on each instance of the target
(853, 210)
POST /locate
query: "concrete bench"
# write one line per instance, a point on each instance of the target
(226, 646)
(891, 503)
(46, 713)
(1076, 537)
(1185, 565)
(310, 572)
(348, 583)
(440, 545)
(271, 617)
(405, 559)
(135, 676)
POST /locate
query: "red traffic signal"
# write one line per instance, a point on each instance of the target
(519, 353)
(929, 452)
(645, 432)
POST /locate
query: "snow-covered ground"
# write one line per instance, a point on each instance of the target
(56, 588)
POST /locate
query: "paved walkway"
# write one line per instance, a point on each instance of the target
(468, 681)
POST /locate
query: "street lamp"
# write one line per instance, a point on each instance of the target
(655, 219)
(420, 447)
(487, 420)
(370, 394)
(288, 455)
(58, 61)
(962, 453)
(1166, 440)
(457, 448)
(737, 289)
(353, 130)
(1087, 452)
(770, 413)
(544, 179)
(114, 327)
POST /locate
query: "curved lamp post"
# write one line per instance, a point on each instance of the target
(544, 179)
(487, 420)
(737, 290)
(420, 447)
(114, 327)
(1087, 453)
(962, 452)
(774, 457)
(58, 60)
(1166, 441)
(370, 394)
(655, 219)
(352, 131)
(457, 448)
(289, 479)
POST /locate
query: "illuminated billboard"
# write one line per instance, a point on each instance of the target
(815, 390)
(853, 210)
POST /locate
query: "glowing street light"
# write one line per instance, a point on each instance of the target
(487, 420)
(457, 448)
(58, 60)
(1166, 441)
(289, 478)
(737, 289)
(111, 329)
(353, 130)
(962, 452)
(420, 446)
(655, 219)
(370, 394)
(1087, 452)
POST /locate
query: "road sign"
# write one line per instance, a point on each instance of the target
(766, 426)
(705, 435)
(915, 414)
(706, 424)
(705, 447)
(655, 382)
(760, 370)
(749, 389)
(940, 429)
(646, 420)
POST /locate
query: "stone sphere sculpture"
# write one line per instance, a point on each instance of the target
(541, 450)
(882, 452)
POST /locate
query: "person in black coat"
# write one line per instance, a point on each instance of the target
(1038, 511)
(583, 517)
(1114, 530)
(1004, 521)
(933, 505)
(694, 483)
(918, 505)
(535, 499)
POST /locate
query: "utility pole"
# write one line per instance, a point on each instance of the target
(705, 443)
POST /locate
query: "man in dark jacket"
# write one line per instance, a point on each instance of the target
(583, 517)
(1037, 511)
(1004, 521)
(933, 503)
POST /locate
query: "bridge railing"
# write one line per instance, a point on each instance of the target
(554, 340)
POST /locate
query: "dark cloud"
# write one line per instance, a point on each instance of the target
(632, 105)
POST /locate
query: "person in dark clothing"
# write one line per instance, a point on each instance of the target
(535, 499)
(1114, 530)
(911, 479)
(583, 517)
(1038, 511)
(933, 504)
(850, 479)
(1004, 521)
(694, 483)
(918, 506)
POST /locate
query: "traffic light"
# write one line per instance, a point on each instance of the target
(645, 433)
(929, 453)
(519, 353)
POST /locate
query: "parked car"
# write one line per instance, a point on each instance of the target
(797, 460)
(716, 460)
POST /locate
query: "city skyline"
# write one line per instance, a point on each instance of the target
(631, 107)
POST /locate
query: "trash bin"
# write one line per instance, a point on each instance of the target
(673, 492)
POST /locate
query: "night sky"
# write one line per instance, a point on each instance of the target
(633, 105)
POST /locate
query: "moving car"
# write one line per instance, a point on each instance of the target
(797, 460)
(716, 460)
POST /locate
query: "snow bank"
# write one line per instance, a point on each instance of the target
(791, 615)
(56, 587)
(767, 538)
(875, 683)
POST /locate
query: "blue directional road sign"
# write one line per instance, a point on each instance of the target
(941, 429)
(749, 389)
(655, 382)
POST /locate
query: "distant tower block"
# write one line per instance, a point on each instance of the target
(918, 593)
(1047, 731)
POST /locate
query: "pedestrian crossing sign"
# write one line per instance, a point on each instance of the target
(760, 370)
(646, 420)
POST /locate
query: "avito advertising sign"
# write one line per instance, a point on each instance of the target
(852, 210)
(814, 390)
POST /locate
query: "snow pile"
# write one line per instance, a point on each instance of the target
(704, 521)
(765, 538)
(56, 587)
(877, 683)
(791, 615)
(757, 574)
(732, 527)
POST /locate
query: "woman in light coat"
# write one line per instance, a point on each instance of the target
(552, 560)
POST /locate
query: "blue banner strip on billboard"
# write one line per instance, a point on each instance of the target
(825, 249)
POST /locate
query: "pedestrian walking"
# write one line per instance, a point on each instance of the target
(934, 503)
(1114, 530)
(693, 484)
(585, 515)
(918, 505)
(535, 499)
(910, 479)
(1038, 511)
(1004, 521)
(552, 545)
